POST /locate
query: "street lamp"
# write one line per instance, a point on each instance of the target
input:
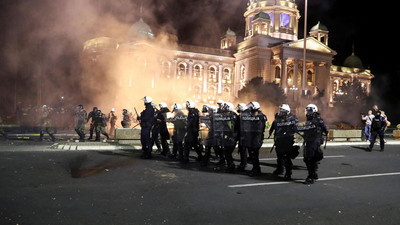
(303, 84)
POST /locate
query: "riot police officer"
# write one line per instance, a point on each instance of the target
(146, 120)
(378, 128)
(313, 130)
(252, 125)
(229, 135)
(126, 119)
(284, 126)
(241, 107)
(163, 129)
(80, 117)
(155, 130)
(208, 138)
(91, 117)
(192, 132)
(179, 120)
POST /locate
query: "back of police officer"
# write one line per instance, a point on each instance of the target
(179, 120)
(284, 128)
(163, 130)
(313, 131)
(146, 120)
(230, 133)
(192, 132)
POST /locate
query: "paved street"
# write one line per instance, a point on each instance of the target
(40, 185)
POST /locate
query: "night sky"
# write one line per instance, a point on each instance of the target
(34, 30)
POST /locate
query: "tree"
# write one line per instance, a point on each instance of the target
(265, 93)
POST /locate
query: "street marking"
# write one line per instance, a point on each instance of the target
(320, 179)
(325, 157)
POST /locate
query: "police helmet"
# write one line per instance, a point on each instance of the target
(230, 107)
(241, 107)
(112, 110)
(44, 106)
(163, 105)
(205, 108)
(254, 105)
(125, 111)
(178, 107)
(220, 102)
(95, 109)
(80, 106)
(147, 99)
(285, 108)
(213, 109)
(154, 105)
(190, 105)
(311, 108)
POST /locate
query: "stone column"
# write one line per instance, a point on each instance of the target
(205, 77)
(175, 67)
(190, 74)
(284, 75)
(220, 79)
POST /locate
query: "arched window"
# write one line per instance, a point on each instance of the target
(309, 78)
(227, 76)
(181, 71)
(277, 74)
(197, 73)
(290, 79)
(213, 76)
(242, 77)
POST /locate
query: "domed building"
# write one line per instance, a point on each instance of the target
(270, 49)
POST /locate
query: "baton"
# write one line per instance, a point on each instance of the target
(136, 125)
(136, 112)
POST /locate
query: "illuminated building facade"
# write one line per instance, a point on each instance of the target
(270, 49)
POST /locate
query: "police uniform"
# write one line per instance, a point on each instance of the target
(252, 125)
(313, 130)
(285, 126)
(192, 134)
(179, 121)
(146, 119)
(163, 130)
(378, 126)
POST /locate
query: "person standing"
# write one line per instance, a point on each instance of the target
(112, 118)
(378, 126)
(284, 127)
(80, 117)
(192, 132)
(252, 125)
(179, 120)
(368, 121)
(146, 120)
(161, 122)
(313, 130)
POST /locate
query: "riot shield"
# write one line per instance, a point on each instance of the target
(205, 128)
(252, 129)
(223, 125)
